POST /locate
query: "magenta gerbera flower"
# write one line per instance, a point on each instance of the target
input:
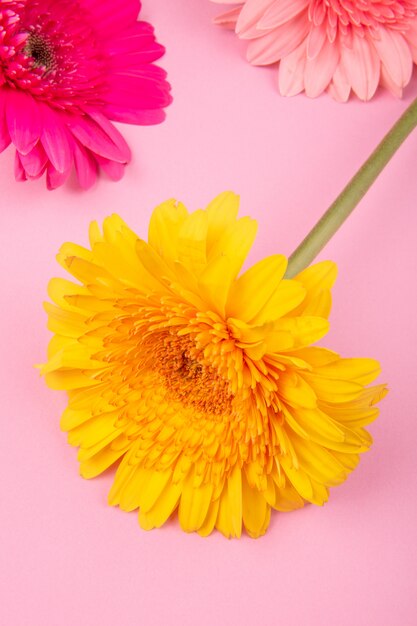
(66, 69)
(343, 46)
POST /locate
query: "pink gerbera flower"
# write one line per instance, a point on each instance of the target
(66, 69)
(338, 45)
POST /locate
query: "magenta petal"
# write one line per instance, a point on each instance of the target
(4, 131)
(113, 133)
(19, 171)
(85, 166)
(135, 58)
(23, 120)
(114, 170)
(92, 136)
(143, 117)
(54, 178)
(107, 18)
(138, 92)
(138, 36)
(53, 100)
(34, 162)
(56, 141)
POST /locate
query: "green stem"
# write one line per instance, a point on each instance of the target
(354, 191)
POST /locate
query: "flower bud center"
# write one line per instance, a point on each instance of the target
(41, 50)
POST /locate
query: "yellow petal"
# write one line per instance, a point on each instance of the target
(362, 371)
(207, 527)
(222, 213)
(70, 379)
(90, 468)
(164, 228)
(317, 357)
(285, 298)
(235, 242)
(304, 330)
(94, 233)
(192, 242)
(296, 391)
(320, 464)
(124, 267)
(131, 493)
(214, 284)
(332, 389)
(59, 289)
(287, 498)
(317, 279)
(69, 250)
(115, 231)
(194, 504)
(158, 269)
(72, 356)
(235, 500)
(58, 343)
(255, 510)
(162, 509)
(153, 489)
(299, 479)
(64, 322)
(251, 291)
(224, 520)
(94, 430)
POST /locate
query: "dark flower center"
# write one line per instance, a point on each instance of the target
(41, 50)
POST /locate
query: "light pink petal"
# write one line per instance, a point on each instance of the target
(411, 36)
(291, 71)
(395, 55)
(228, 19)
(280, 12)
(251, 13)
(316, 40)
(19, 170)
(412, 30)
(92, 136)
(319, 71)
(34, 162)
(55, 140)
(362, 67)
(387, 82)
(23, 120)
(85, 166)
(340, 87)
(4, 131)
(278, 43)
(114, 170)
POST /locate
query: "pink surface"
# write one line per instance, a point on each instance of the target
(67, 558)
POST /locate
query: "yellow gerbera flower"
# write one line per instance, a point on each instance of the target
(203, 382)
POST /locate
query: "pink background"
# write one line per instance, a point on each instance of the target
(70, 559)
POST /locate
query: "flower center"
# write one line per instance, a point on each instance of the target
(189, 379)
(41, 50)
(359, 14)
(52, 52)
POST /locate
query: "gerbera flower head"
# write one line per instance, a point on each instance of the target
(341, 46)
(201, 380)
(66, 69)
